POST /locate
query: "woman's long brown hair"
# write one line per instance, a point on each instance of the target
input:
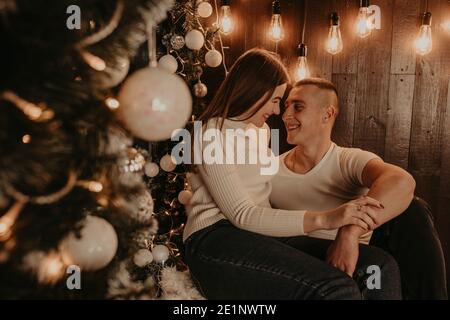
(255, 74)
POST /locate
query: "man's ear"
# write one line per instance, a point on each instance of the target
(330, 113)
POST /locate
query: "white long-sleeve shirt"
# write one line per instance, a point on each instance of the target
(239, 193)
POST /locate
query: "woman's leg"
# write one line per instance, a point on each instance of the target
(230, 263)
(390, 288)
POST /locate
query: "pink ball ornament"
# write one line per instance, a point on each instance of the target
(184, 197)
(96, 247)
(169, 63)
(154, 103)
(194, 40)
(213, 58)
(204, 9)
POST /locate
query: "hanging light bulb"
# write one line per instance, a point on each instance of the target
(276, 27)
(334, 41)
(302, 70)
(424, 43)
(226, 23)
(363, 24)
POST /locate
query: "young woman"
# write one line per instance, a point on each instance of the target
(236, 245)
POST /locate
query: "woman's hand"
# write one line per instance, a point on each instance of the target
(360, 212)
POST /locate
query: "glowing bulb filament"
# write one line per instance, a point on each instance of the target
(226, 23)
(424, 42)
(276, 28)
(334, 42)
(363, 24)
(302, 71)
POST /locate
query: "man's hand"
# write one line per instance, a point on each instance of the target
(344, 251)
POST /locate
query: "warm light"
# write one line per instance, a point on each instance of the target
(363, 25)
(276, 28)
(276, 32)
(424, 42)
(93, 61)
(446, 25)
(95, 186)
(334, 41)
(26, 139)
(302, 71)
(51, 268)
(226, 23)
(112, 103)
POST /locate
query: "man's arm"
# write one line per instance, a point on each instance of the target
(389, 184)
(394, 188)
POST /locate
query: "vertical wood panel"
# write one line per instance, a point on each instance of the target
(443, 213)
(347, 60)
(317, 22)
(373, 85)
(293, 11)
(405, 22)
(427, 120)
(398, 124)
(343, 128)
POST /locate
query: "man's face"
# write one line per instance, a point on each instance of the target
(303, 115)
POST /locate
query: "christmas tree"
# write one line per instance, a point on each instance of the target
(73, 196)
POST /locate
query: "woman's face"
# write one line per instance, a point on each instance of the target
(272, 106)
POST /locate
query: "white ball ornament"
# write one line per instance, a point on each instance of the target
(200, 90)
(151, 169)
(160, 253)
(204, 9)
(184, 197)
(168, 163)
(213, 58)
(96, 247)
(142, 258)
(194, 40)
(154, 103)
(169, 63)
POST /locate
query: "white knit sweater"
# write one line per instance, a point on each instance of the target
(239, 193)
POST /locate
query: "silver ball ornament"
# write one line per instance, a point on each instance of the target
(177, 42)
(200, 90)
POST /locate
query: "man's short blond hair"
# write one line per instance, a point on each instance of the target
(321, 84)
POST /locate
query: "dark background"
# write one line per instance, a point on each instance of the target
(393, 102)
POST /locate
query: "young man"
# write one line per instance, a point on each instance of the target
(319, 175)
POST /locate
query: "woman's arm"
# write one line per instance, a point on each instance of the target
(224, 185)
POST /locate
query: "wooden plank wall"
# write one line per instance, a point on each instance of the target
(394, 102)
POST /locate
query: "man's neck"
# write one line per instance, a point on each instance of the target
(305, 158)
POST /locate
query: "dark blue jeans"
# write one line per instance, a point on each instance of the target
(230, 263)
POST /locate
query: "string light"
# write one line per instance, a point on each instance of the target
(276, 32)
(424, 42)
(112, 103)
(226, 22)
(363, 24)
(334, 41)
(26, 139)
(35, 112)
